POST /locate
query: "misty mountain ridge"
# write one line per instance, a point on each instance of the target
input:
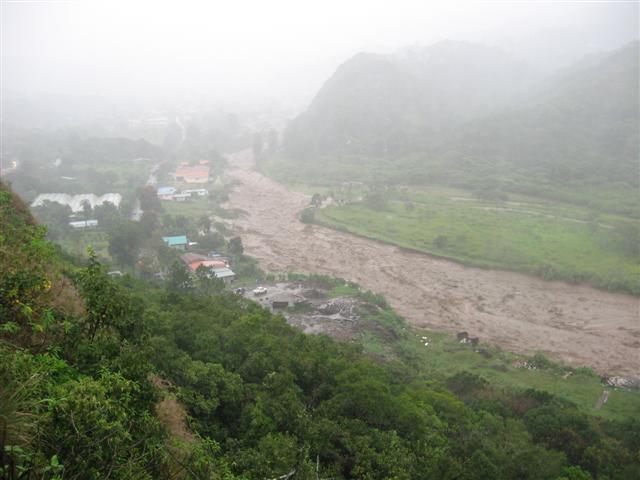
(458, 105)
(580, 123)
(377, 102)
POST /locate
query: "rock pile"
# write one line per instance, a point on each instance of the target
(622, 382)
(344, 306)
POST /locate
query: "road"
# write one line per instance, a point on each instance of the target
(572, 323)
(152, 181)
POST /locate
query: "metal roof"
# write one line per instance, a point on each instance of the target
(176, 240)
(223, 272)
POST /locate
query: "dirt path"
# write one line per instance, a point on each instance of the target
(575, 324)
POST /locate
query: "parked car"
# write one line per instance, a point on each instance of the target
(259, 291)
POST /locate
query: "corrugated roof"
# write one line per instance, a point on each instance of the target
(190, 257)
(176, 240)
(83, 223)
(223, 272)
(214, 264)
(196, 190)
(192, 171)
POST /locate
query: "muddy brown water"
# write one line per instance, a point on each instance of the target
(575, 324)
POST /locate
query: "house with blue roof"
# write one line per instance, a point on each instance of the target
(177, 241)
(166, 193)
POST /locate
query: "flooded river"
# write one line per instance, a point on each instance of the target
(576, 324)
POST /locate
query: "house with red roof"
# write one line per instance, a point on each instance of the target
(195, 260)
(192, 174)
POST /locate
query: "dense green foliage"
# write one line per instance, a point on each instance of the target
(74, 382)
(78, 397)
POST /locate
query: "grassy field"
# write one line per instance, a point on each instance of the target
(328, 172)
(555, 241)
(193, 209)
(77, 242)
(444, 357)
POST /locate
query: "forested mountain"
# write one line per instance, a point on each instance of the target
(105, 379)
(383, 104)
(465, 115)
(580, 124)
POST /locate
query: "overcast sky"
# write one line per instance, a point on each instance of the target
(269, 49)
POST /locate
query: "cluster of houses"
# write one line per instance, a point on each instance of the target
(216, 264)
(187, 174)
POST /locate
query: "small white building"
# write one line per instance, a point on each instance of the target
(201, 192)
(182, 197)
(84, 223)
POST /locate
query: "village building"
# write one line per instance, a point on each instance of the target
(201, 192)
(215, 264)
(176, 241)
(182, 197)
(195, 260)
(189, 257)
(225, 274)
(84, 223)
(166, 193)
(192, 174)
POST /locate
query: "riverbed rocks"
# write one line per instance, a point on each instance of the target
(624, 382)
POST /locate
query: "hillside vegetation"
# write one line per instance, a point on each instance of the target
(91, 368)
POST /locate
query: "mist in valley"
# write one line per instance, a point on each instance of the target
(320, 239)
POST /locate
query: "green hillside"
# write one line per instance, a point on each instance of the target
(435, 117)
(104, 379)
(581, 128)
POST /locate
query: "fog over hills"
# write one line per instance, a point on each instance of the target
(476, 107)
(377, 103)
(582, 122)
